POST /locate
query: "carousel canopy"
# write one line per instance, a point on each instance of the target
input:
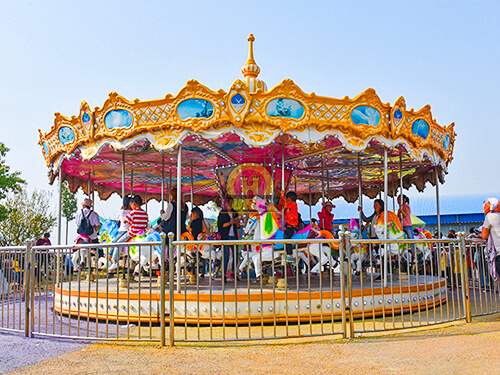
(240, 142)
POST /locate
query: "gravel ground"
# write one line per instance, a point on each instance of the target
(458, 349)
(17, 351)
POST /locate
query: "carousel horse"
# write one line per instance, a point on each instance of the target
(322, 252)
(143, 255)
(422, 248)
(359, 251)
(248, 232)
(80, 256)
(206, 251)
(265, 225)
(108, 233)
(394, 232)
(254, 230)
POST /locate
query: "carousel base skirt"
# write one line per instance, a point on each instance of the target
(212, 303)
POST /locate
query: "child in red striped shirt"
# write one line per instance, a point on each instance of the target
(138, 220)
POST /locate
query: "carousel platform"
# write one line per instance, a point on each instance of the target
(209, 301)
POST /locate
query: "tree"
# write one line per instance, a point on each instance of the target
(28, 217)
(9, 181)
(69, 205)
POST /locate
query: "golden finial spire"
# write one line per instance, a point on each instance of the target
(251, 39)
(250, 69)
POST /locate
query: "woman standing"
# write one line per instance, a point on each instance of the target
(228, 224)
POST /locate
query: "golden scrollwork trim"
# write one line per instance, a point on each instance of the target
(251, 120)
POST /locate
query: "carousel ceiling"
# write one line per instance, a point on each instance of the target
(239, 142)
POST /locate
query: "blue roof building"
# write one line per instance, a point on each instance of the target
(459, 212)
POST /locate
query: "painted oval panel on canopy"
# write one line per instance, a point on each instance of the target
(118, 118)
(446, 142)
(195, 108)
(365, 115)
(283, 107)
(66, 135)
(420, 128)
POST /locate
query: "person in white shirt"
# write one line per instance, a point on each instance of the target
(93, 217)
(491, 227)
(169, 217)
(124, 211)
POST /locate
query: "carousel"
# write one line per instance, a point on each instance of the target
(249, 142)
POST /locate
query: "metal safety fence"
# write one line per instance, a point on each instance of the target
(189, 291)
(419, 284)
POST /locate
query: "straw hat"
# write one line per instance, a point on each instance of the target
(87, 202)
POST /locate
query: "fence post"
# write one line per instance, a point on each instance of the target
(465, 277)
(162, 289)
(32, 289)
(342, 283)
(347, 238)
(171, 287)
(27, 287)
(58, 267)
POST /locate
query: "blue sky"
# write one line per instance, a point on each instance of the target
(443, 53)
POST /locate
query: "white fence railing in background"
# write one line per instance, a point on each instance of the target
(176, 292)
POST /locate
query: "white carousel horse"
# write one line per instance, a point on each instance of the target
(207, 251)
(423, 248)
(262, 225)
(322, 252)
(359, 251)
(265, 226)
(80, 257)
(146, 255)
(248, 233)
(394, 232)
(143, 255)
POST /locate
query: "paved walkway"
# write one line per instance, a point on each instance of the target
(457, 349)
(17, 351)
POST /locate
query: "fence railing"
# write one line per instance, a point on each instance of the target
(415, 284)
(267, 297)
(14, 284)
(190, 291)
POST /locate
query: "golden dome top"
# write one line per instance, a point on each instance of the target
(251, 70)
